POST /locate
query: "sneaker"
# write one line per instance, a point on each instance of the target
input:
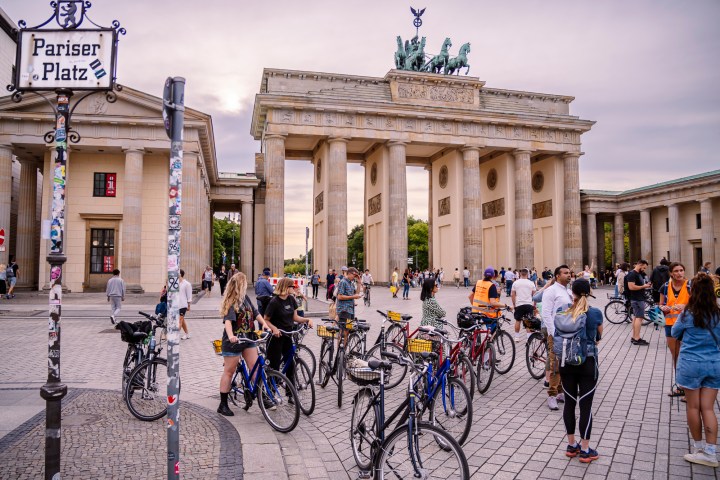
(546, 384)
(112, 319)
(223, 409)
(590, 455)
(268, 404)
(187, 337)
(572, 450)
(517, 339)
(184, 337)
(552, 403)
(560, 398)
(641, 342)
(703, 458)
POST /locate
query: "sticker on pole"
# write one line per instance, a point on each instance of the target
(2, 239)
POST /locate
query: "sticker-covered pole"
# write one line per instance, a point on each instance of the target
(53, 391)
(173, 110)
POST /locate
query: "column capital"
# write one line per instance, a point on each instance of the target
(705, 200)
(521, 152)
(275, 136)
(338, 139)
(6, 146)
(397, 143)
(572, 154)
(139, 150)
(471, 148)
(245, 202)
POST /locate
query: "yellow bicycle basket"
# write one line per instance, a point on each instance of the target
(394, 316)
(418, 345)
(323, 332)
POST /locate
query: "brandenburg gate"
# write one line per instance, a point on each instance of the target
(502, 168)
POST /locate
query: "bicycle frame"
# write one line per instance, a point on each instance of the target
(259, 368)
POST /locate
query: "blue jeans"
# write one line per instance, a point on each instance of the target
(508, 286)
(467, 282)
(406, 290)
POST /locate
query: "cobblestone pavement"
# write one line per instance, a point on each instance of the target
(100, 440)
(637, 431)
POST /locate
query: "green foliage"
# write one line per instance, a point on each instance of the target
(610, 244)
(356, 244)
(418, 242)
(223, 241)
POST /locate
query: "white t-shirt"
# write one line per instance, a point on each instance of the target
(586, 274)
(554, 297)
(524, 290)
(367, 278)
(509, 275)
(184, 294)
(466, 273)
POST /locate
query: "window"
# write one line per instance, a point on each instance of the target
(698, 221)
(102, 250)
(104, 185)
(667, 224)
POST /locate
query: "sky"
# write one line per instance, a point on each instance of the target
(646, 71)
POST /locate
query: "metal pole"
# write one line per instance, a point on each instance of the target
(177, 101)
(307, 236)
(232, 220)
(53, 391)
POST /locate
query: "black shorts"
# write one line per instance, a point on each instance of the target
(206, 285)
(523, 311)
(183, 311)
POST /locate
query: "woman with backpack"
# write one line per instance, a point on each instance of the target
(698, 367)
(579, 325)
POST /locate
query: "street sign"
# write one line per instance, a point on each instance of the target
(410, 260)
(2, 239)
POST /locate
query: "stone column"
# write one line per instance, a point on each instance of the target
(337, 203)
(189, 233)
(619, 239)
(397, 204)
(572, 216)
(472, 219)
(708, 231)
(275, 203)
(26, 234)
(600, 242)
(6, 154)
(430, 215)
(130, 249)
(246, 239)
(674, 220)
(592, 243)
(646, 236)
(523, 211)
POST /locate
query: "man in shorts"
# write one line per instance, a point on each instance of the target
(521, 293)
(636, 285)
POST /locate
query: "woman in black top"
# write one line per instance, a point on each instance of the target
(222, 279)
(281, 313)
(239, 315)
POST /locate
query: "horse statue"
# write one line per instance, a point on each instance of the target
(415, 55)
(439, 62)
(455, 64)
(400, 55)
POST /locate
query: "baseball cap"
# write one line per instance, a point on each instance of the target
(266, 271)
(581, 288)
(489, 272)
(344, 268)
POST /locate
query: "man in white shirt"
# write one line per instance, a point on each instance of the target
(184, 302)
(521, 294)
(466, 277)
(509, 279)
(557, 296)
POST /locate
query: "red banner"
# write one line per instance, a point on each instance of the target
(110, 184)
(108, 264)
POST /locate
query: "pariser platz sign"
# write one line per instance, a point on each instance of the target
(65, 59)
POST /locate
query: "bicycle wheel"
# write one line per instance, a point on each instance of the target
(536, 355)
(367, 298)
(146, 392)
(308, 356)
(355, 345)
(363, 428)
(325, 368)
(463, 370)
(396, 336)
(421, 455)
(646, 317)
(129, 364)
(485, 368)
(304, 386)
(340, 373)
(451, 409)
(504, 352)
(397, 373)
(616, 312)
(283, 409)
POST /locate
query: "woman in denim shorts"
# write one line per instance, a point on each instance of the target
(239, 315)
(698, 367)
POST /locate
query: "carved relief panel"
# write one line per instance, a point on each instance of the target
(375, 205)
(493, 209)
(444, 206)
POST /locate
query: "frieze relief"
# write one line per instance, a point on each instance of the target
(375, 205)
(436, 93)
(493, 209)
(444, 206)
(319, 203)
(542, 209)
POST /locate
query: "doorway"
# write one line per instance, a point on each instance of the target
(102, 258)
(698, 259)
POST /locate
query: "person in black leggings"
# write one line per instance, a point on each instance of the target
(579, 381)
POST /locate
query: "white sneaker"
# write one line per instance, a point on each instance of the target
(517, 339)
(187, 337)
(560, 398)
(112, 319)
(552, 403)
(184, 337)
(702, 458)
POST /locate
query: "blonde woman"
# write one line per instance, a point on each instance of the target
(281, 314)
(239, 315)
(579, 381)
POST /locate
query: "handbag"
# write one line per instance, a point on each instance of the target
(332, 311)
(393, 289)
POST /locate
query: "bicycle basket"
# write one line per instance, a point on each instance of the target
(127, 329)
(323, 332)
(363, 376)
(532, 323)
(217, 346)
(394, 316)
(418, 345)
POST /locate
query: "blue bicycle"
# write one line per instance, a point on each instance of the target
(302, 375)
(279, 402)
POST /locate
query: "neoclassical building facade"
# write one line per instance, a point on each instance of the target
(675, 219)
(502, 167)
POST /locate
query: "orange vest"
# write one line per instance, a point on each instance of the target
(682, 298)
(482, 294)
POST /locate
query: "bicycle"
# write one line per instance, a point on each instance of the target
(461, 366)
(384, 344)
(414, 448)
(271, 386)
(145, 392)
(333, 366)
(479, 345)
(366, 294)
(504, 346)
(619, 311)
(536, 353)
(303, 351)
(135, 334)
(302, 376)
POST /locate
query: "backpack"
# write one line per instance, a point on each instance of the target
(570, 338)
(10, 271)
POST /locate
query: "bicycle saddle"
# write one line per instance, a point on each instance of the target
(139, 336)
(374, 364)
(332, 328)
(363, 326)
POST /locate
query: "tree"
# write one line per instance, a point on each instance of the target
(418, 242)
(356, 247)
(223, 241)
